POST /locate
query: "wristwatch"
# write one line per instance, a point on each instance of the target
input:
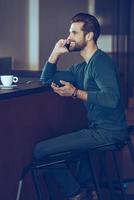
(74, 95)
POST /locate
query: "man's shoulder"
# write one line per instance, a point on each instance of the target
(103, 57)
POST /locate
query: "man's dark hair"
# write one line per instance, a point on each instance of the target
(91, 24)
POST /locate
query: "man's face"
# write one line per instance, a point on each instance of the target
(77, 37)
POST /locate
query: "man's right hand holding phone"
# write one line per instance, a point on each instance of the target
(61, 47)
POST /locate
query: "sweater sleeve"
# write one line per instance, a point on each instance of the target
(48, 72)
(51, 74)
(105, 77)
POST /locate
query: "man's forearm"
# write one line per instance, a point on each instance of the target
(58, 50)
(48, 72)
(53, 58)
(82, 95)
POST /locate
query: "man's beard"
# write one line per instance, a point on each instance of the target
(78, 46)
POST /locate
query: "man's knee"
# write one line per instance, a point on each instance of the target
(38, 152)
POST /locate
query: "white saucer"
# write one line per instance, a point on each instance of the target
(7, 87)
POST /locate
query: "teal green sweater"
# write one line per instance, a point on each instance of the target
(99, 78)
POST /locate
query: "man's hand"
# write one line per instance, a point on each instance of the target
(58, 50)
(66, 90)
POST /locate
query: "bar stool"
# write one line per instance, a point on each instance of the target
(35, 167)
(67, 157)
(119, 183)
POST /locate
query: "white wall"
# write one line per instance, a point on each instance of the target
(54, 18)
(14, 30)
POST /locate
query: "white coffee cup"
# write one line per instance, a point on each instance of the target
(7, 80)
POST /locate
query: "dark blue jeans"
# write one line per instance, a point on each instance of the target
(84, 140)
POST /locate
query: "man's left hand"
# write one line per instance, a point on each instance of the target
(66, 90)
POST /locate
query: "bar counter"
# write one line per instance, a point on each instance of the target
(30, 113)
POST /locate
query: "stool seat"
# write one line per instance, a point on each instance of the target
(112, 146)
(57, 158)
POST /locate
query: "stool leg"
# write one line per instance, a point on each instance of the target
(119, 176)
(36, 182)
(20, 185)
(109, 181)
(19, 189)
(96, 182)
(50, 187)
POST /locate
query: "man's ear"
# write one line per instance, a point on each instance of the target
(89, 36)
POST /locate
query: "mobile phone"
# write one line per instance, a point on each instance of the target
(67, 45)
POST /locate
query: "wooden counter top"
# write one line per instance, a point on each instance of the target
(24, 89)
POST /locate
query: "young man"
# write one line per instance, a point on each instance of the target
(97, 86)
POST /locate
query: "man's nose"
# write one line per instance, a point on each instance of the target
(69, 37)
